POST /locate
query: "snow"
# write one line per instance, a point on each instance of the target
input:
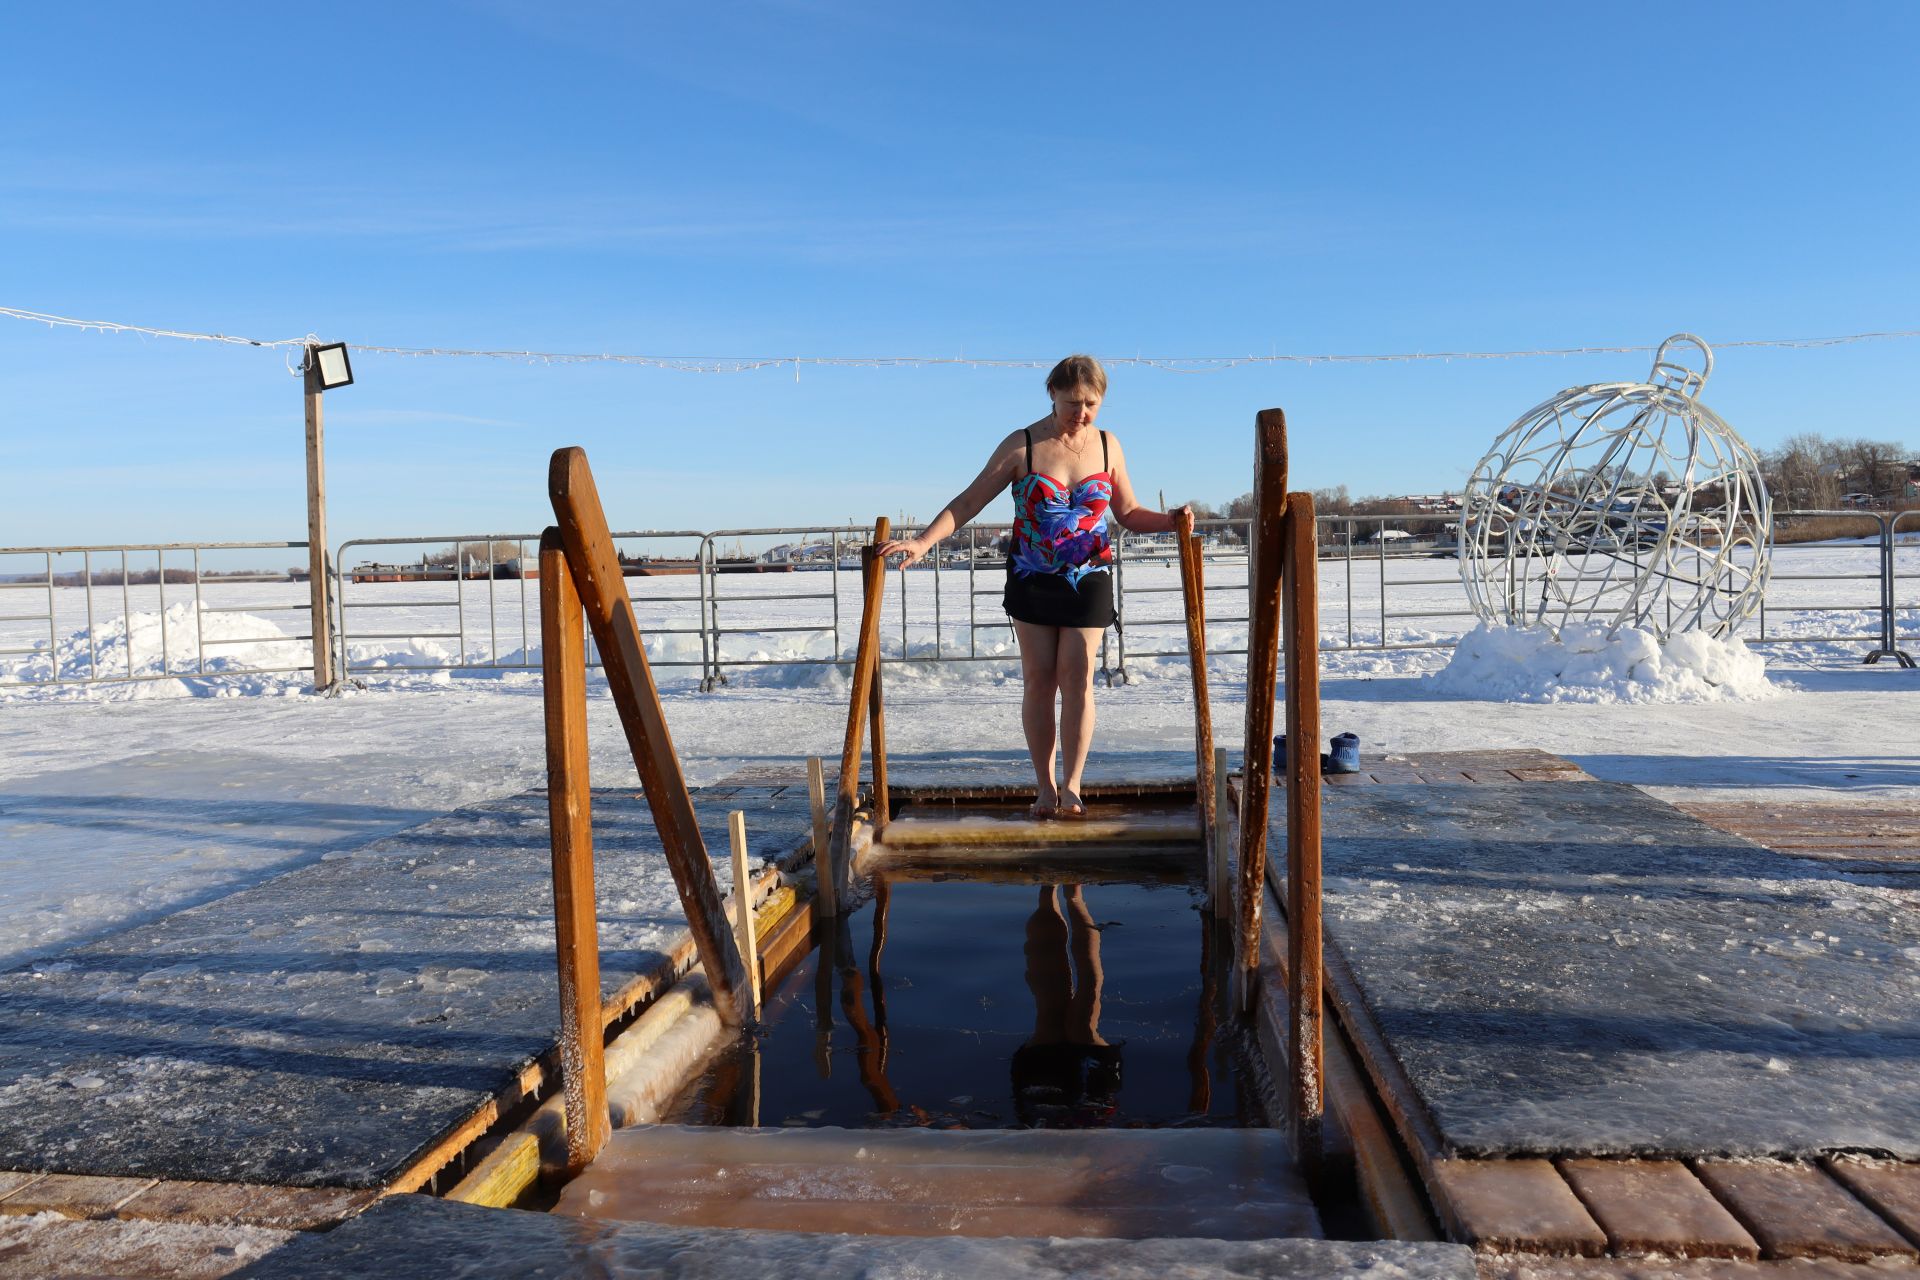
(51, 1244)
(121, 802)
(1589, 662)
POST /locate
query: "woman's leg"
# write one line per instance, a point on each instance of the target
(1073, 674)
(1039, 655)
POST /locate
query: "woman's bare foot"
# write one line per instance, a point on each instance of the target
(1046, 803)
(1071, 805)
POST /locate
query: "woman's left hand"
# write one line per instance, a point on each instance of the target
(1173, 516)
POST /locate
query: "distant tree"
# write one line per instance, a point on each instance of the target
(1332, 502)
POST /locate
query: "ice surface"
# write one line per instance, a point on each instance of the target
(120, 802)
(324, 1026)
(408, 1237)
(1579, 968)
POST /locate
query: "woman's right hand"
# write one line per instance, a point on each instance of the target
(909, 547)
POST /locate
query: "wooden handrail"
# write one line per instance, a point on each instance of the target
(595, 569)
(1194, 595)
(1306, 1068)
(874, 577)
(1263, 660)
(861, 706)
(563, 650)
(1285, 586)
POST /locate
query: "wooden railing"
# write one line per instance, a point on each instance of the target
(1284, 581)
(1193, 590)
(580, 572)
(864, 707)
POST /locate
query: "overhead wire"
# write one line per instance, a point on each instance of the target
(745, 364)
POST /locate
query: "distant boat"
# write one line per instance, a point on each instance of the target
(661, 567)
(402, 573)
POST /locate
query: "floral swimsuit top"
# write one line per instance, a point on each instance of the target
(1061, 529)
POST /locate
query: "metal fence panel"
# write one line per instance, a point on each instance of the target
(132, 612)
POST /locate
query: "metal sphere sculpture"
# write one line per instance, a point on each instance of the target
(1624, 503)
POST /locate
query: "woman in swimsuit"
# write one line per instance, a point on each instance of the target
(1067, 478)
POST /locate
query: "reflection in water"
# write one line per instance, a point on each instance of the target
(1066, 1075)
(948, 1016)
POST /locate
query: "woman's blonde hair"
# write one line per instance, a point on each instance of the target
(1078, 371)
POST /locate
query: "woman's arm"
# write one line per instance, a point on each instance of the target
(1126, 508)
(1001, 470)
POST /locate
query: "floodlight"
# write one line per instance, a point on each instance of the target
(330, 366)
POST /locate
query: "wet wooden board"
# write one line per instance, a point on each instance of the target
(1513, 1205)
(504, 1174)
(1891, 1189)
(1438, 767)
(1798, 1211)
(1218, 1183)
(74, 1195)
(1005, 831)
(194, 1202)
(1657, 1206)
(419, 1238)
(47, 1246)
(81, 1195)
(1879, 833)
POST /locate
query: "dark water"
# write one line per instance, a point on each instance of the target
(995, 1005)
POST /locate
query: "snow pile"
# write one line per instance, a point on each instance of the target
(181, 640)
(1589, 662)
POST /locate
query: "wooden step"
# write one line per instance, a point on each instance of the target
(989, 831)
(1232, 1184)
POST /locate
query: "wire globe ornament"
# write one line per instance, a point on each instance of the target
(1625, 503)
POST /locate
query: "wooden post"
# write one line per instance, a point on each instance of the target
(875, 581)
(1220, 881)
(866, 663)
(318, 588)
(826, 902)
(576, 932)
(743, 908)
(1263, 659)
(1306, 1068)
(1193, 589)
(595, 567)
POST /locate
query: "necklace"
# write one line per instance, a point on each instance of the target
(1061, 436)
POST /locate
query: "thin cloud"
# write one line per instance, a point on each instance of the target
(412, 418)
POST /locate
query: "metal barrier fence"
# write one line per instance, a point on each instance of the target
(138, 612)
(467, 593)
(1891, 578)
(70, 594)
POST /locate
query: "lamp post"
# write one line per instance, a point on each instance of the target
(326, 367)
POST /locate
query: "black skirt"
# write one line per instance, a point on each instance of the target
(1049, 600)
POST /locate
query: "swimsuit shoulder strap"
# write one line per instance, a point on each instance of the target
(1104, 464)
(1028, 433)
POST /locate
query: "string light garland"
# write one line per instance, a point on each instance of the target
(745, 364)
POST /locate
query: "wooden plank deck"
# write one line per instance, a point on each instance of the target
(1223, 1184)
(1877, 833)
(1601, 1215)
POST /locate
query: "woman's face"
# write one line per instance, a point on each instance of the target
(1075, 408)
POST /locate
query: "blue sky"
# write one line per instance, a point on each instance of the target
(849, 179)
